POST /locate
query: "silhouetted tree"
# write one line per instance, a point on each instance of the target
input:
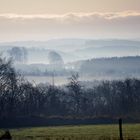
(75, 92)
(18, 54)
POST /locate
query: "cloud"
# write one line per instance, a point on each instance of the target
(112, 24)
(106, 15)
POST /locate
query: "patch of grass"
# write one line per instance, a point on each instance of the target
(85, 132)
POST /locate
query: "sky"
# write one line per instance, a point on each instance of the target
(48, 19)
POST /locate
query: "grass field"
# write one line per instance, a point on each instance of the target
(87, 132)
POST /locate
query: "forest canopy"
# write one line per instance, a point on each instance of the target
(112, 99)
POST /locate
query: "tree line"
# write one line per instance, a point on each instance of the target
(114, 66)
(113, 99)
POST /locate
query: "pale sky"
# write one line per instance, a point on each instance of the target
(47, 19)
(66, 6)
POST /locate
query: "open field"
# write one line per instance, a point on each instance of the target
(87, 132)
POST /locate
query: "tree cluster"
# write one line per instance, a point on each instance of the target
(108, 99)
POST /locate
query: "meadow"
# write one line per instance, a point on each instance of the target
(83, 132)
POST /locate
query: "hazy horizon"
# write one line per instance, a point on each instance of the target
(50, 19)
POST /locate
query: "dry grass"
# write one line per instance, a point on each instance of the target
(87, 132)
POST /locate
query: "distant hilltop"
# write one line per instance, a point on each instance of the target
(72, 50)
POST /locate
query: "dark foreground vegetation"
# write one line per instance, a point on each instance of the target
(24, 103)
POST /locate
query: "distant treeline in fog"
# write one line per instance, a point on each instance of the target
(71, 50)
(112, 99)
(109, 57)
(101, 67)
(119, 66)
